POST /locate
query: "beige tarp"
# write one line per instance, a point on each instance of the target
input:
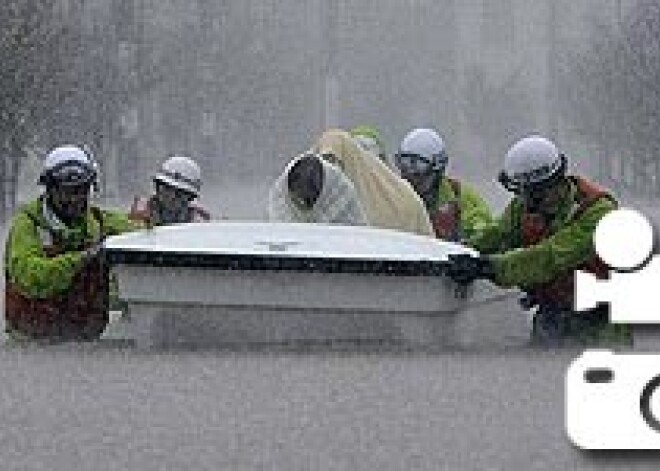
(389, 201)
(338, 202)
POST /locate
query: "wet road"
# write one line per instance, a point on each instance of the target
(105, 407)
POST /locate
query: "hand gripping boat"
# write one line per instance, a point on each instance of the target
(250, 282)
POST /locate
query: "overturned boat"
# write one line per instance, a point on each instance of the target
(227, 283)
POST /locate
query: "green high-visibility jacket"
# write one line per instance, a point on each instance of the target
(474, 210)
(569, 245)
(28, 266)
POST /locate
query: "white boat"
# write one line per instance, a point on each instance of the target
(253, 282)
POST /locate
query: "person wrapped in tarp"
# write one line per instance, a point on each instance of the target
(370, 139)
(313, 191)
(388, 200)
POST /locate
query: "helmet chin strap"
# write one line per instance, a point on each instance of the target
(430, 194)
(532, 205)
(440, 167)
(61, 210)
(549, 202)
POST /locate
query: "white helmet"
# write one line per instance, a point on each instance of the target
(182, 173)
(68, 165)
(531, 161)
(426, 143)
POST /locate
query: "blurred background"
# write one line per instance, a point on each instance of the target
(243, 86)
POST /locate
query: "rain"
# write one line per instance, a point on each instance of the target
(243, 87)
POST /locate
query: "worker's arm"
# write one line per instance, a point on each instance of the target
(34, 273)
(500, 234)
(115, 223)
(566, 250)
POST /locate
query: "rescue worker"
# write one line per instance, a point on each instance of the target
(542, 237)
(456, 210)
(370, 139)
(177, 185)
(313, 191)
(388, 200)
(57, 282)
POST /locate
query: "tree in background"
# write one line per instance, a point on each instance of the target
(73, 72)
(114, 67)
(610, 93)
(31, 82)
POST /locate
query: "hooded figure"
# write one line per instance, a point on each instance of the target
(313, 191)
(388, 200)
(369, 138)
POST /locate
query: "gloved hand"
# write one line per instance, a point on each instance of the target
(92, 252)
(465, 268)
(527, 301)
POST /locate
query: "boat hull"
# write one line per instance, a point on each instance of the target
(212, 295)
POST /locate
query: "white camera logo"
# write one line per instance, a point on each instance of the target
(613, 401)
(624, 241)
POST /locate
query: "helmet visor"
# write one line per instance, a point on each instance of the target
(72, 174)
(178, 181)
(413, 163)
(418, 164)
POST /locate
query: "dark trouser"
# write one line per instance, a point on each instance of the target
(556, 325)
